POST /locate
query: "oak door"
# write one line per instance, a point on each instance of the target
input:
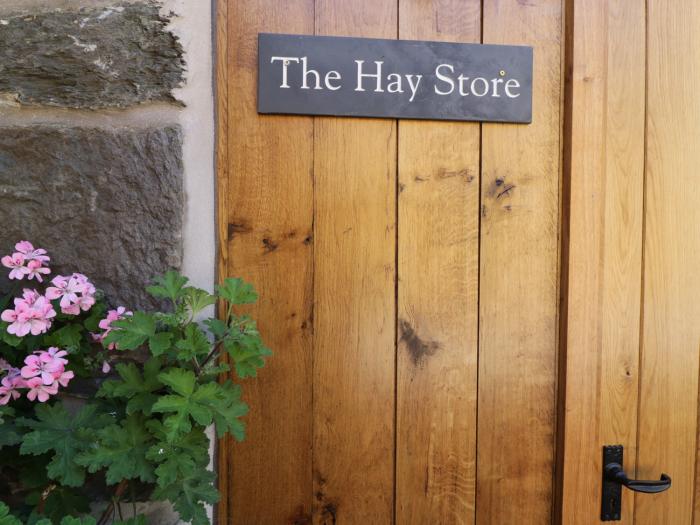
(632, 336)
(409, 279)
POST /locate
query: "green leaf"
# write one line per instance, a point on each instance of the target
(203, 404)
(189, 494)
(65, 434)
(197, 299)
(132, 331)
(6, 518)
(97, 313)
(169, 286)
(237, 291)
(246, 348)
(68, 337)
(215, 369)
(137, 520)
(225, 402)
(62, 500)
(70, 520)
(138, 389)
(181, 381)
(160, 343)
(121, 449)
(217, 327)
(9, 433)
(8, 338)
(180, 458)
(195, 343)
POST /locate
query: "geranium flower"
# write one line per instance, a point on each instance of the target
(106, 324)
(113, 315)
(27, 249)
(38, 390)
(57, 354)
(35, 270)
(34, 318)
(85, 302)
(16, 263)
(64, 378)
(17, 319)
(38, 318)
(44, 366)
(14, 375)
(67, 288)
(76, 293)
(29, 297)
(8, 390)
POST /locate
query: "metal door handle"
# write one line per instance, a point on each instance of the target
(614, 478)
(614, 472)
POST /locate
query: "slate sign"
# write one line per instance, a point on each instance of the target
(366, 77)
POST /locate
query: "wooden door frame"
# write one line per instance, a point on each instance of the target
(602, 251)
(222, 450)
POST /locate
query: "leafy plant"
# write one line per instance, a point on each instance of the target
(100, 405)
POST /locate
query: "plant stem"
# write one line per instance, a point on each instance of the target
(211, 354)
(110, 508)
(44, 496)
(197, 367)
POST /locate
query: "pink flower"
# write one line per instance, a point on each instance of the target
(37, 389)
(113, 315)
(35, 270)
(27, 318)
(106, 367)
(17, 319)
(65, 378)
(106, 324)
(8, 391)
(67, 288)
(43, 365)
(76, 293)
(42, 374)
(29, 297)
(16, 263)
(27, 249)
(57, 354)
(85, 302)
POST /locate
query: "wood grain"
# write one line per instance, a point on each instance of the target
(519, 280)
(606, 169)
(267, 216)
(354, 321)
(438, 294)
(671, 309)
(223, 447)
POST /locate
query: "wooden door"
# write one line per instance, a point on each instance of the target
(409, 284)
(632, 336)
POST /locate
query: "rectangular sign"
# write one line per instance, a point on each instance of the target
(367, 77)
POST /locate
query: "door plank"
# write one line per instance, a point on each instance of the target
(266, 216)
(354, 319)
(519, 280)
(438, 294)
(671, 327)
(605, 156)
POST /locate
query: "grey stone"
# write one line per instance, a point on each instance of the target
(106, 203)
(109, 57)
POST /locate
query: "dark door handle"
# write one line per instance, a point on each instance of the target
(614, 472)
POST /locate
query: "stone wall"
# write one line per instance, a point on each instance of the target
(104, 128)
(107, 141)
